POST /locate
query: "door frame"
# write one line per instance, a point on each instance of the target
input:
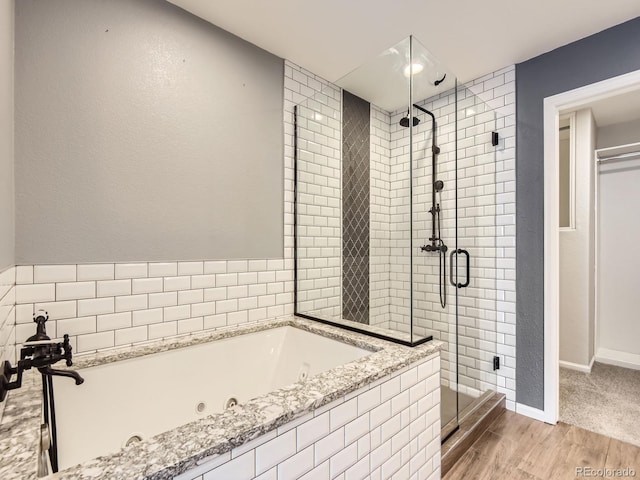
(553, 107)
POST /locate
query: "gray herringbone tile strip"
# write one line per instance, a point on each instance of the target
(355, 208)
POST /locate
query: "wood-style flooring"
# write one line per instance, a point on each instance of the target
(519, 448)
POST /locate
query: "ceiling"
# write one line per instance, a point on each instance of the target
(333, 37)
(619, 109)
(384, 80)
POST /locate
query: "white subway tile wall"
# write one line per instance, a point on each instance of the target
(389, 429)
(498, 90)
(7, 314)
(102, 312)
(486, 227)
(379, 222)
(319, 193)
(7, 319)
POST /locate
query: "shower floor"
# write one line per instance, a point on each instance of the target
(448, 404)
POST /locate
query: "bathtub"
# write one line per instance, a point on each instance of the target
(132, 400)
(285, 376)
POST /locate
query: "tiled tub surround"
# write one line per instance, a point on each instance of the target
(7, 318)
(378, 415)
(7, 314)
(109, 305)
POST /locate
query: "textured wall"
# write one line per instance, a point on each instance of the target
(143, 134)
(106, 305)
(604, 55)
(7, 235)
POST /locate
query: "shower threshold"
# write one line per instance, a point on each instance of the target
(472, 424)
(378, 331)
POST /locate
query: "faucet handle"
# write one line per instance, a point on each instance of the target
(40, 316)
(66, 346)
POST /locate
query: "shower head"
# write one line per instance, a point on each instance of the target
(404, 121)
(438, 185)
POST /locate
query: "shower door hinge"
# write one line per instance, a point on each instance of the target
(495, 138)
(496, 363)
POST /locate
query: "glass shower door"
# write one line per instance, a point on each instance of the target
(474, 257)
(454, 236)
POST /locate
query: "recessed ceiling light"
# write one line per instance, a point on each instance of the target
(417, 68)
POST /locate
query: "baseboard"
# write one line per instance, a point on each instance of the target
(531, 412)
(577, 366)
(618, 358)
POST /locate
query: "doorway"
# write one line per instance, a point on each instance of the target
(588, 98)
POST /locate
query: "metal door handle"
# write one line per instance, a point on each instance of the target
(466, 284)
(451, 276)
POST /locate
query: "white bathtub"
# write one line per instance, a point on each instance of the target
(148, 395)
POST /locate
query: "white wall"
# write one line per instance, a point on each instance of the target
(577, 260)
(618, 234)
(619, 134)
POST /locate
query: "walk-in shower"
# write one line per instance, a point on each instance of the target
(436, 243)
(395, 214)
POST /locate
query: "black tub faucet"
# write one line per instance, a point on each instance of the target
(40, 352)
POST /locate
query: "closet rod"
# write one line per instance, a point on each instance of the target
(624, 156)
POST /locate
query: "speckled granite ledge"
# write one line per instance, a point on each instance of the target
(176, 451)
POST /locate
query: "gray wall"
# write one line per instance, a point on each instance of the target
(143, 133)
(604, 55)
(7, 235)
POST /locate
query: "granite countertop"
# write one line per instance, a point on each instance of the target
(183, 448)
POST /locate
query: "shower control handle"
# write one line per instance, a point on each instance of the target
(451, 273)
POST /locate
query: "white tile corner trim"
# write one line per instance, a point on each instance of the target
(389, 429)
(7, 319)
(7, 314)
